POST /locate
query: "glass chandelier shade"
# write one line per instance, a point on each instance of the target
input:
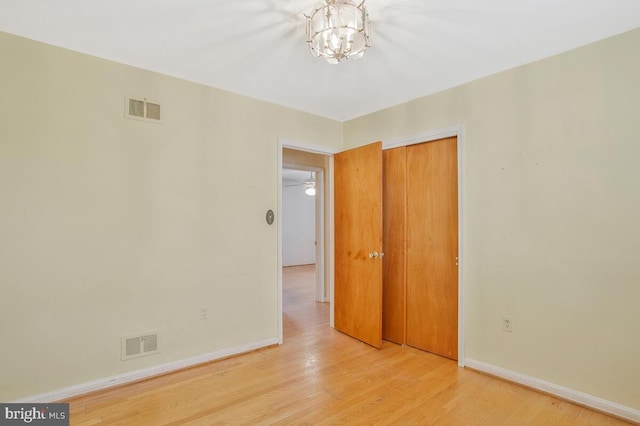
(338, 29)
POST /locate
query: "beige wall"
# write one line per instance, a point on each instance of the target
(551, 205)
(111, 227)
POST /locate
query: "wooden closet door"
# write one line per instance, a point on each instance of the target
(432, 247)
(358, 241)
(394, 236)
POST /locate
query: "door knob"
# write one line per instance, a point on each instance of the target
(373, 255)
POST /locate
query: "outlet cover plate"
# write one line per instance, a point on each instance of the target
(507, 324)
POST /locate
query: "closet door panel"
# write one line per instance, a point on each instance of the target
(432, 247)
(358, 240)
(394, 272)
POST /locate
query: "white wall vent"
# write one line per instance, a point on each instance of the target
(138, 108)
(139, 345)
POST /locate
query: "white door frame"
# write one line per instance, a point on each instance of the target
(447, 132)
(301, 146)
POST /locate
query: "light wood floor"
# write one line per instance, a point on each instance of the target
(320, 376)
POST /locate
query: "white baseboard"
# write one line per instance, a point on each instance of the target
(557, 390)
(120, 379)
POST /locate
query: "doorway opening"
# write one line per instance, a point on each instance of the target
(304, 229)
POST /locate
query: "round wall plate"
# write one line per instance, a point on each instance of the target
(270, 216)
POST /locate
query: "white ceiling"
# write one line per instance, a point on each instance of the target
(257, 47)
(295, 176)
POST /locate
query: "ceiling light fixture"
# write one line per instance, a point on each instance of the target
(310, 191)
(338, 29)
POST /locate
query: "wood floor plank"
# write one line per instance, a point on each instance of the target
(320, 376)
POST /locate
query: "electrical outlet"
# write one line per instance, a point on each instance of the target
(507, 324)
(204, 314)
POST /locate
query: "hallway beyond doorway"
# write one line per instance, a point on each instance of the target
(301, 311)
